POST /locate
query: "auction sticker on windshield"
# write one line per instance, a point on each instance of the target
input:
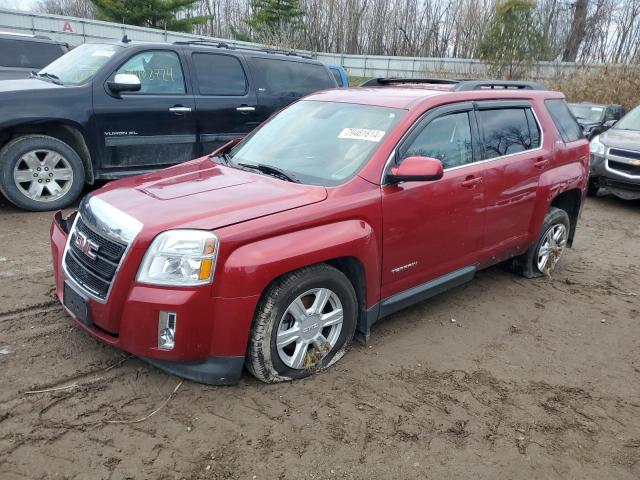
(362, 134)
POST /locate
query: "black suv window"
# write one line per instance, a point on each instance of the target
(26, 54)
(569, 129)
(159, 71)
(508, 130)
(295, 78)
(219, 74)
(447, 138)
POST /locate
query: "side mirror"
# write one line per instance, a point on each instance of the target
(609, 123)
(124, 82)
(416, 169)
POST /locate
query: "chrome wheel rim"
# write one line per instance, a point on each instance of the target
(43, 175)
(309, 328)
(551, 248)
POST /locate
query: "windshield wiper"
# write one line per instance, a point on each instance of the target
(54, 78)
(270, 170)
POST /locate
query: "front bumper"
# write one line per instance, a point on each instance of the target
(620, 184)
(211, 333)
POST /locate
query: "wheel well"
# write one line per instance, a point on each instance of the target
(354, 271)
(65, 133)
(569, 201)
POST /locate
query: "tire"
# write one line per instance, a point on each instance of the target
(55, 166)
(527, 264)
(593, 187)
(273, 316)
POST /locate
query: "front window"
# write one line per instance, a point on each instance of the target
(159, 72)
(319, 143)
(631, 121)
(587, 113)
(80, 64)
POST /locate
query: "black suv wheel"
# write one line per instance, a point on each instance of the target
(39, 173)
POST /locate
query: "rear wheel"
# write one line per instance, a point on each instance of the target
(544, 254)
(303, 323)
(38, 172)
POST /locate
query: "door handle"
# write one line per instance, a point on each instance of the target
(246, 108)
(471, 181)
(180, 109)
(541, 162)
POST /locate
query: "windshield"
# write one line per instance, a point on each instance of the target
(80, 64)
(320, 143)
(587, 113)
(631, 121)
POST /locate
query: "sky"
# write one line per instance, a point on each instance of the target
(19, 4)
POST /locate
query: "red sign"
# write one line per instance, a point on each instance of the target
(67, 27)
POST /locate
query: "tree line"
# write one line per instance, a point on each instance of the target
(508, 33)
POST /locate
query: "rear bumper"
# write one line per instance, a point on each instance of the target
(211, 333)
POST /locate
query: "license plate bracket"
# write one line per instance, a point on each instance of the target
(77, 304)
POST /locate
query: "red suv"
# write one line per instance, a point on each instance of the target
(349, 205)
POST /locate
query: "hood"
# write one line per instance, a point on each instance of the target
(618, 138)
(204, 195)
(19, 85)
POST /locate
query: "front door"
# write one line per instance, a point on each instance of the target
(226, 105)
(434, 228)
(150, 128)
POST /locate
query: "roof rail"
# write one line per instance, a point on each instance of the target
(377, 82)
(209, 43)
(467, 85)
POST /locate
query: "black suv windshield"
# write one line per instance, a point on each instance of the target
(319, 143)
(80, 64)
(631, 121)
(587, 113)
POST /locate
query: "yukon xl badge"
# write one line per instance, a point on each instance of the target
(86, 246)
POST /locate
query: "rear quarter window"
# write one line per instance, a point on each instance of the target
(565, 122)
(27, 54)
(282, 77)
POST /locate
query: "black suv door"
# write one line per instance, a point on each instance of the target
(225, 102)
(281, 81)
(149, 128)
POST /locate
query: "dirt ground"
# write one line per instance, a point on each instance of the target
(533, 379)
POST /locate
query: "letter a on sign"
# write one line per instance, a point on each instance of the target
(67, 27)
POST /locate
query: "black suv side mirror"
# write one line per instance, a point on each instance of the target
(124, 82)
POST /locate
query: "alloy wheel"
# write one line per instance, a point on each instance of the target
(43, 175)
(551, 248)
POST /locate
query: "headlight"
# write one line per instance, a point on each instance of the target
(180, 258)
(596, 146)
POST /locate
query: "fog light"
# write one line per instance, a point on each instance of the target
(166, 330)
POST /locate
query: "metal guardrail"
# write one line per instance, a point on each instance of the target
(78, 30)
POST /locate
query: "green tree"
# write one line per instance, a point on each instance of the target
(514, 39)
(150, 13)
(273, 18)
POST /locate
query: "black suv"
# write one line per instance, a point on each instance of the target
(20, 54)
(596, 118)
(104, 111)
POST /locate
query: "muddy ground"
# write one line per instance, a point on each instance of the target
(534, 379)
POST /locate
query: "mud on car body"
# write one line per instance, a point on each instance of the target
(275, 251)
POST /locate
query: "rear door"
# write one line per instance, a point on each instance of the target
(150, 128)
(280, 82)
(515, 158)
(434, 228)
(226, 104)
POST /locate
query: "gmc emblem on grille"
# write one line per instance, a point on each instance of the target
(86, 246)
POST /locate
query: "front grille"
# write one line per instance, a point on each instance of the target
(93, 274)
(624, 167)
(624, 153)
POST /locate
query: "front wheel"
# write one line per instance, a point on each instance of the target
(38, 173)
(593, 187)
(544, 254)
(303, 323)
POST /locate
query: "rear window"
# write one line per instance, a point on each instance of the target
(219, 74)
(292, 78)
(336, 74)
(508, 131)
(569, 129)
(27, 54)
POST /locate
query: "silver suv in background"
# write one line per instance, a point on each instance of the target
(615, 158)
(21, 54)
